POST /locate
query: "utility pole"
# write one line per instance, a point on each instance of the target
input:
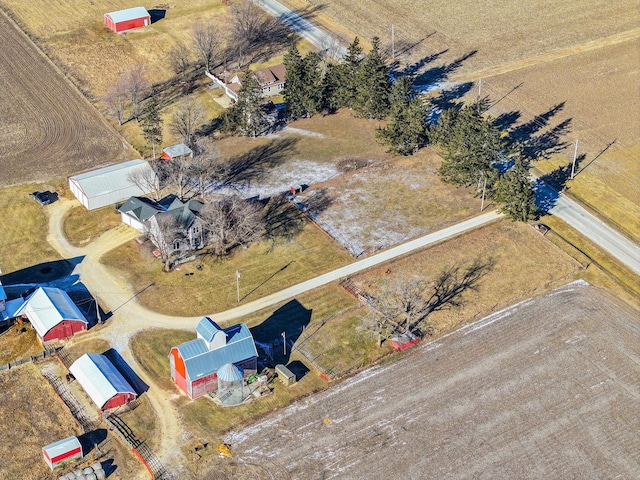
(479, 88)
(484, 187)
(573, 166)
(284, 343)
(95, 298)
(238, 284)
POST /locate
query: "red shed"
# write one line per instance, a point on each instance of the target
(102, 381)
(53, 314)
(128, 19)
(63, 450)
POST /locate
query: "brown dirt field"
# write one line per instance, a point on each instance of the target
(48, 130)
(547, 388)
(15, 346)
(501, 31)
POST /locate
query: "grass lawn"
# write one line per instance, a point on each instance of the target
(523, 263)
(265, 267)
(23, 229)
(82, 226)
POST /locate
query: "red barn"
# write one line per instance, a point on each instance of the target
(128, 19)
(194, 364)
(61, 451)
(102, 381)
(53, 314)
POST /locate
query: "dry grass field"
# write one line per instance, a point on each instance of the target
(73, 33)
(35, 416)
(48, 130)
(547, 388)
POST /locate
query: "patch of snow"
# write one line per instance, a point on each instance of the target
(304, 133)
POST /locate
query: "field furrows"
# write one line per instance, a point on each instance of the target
(47, 129)
(547, 388)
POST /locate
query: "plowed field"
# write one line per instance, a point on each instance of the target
(47, 129)
(547, 388)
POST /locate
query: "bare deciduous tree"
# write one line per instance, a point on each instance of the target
(231, 221)
(147, 180)
(116, 99)
(206, 42)
(137, 85)
(164, 231)
(247, 26)
(174, 175)
(207, 165)
(404, 304)
(179, 58)
(187, 118)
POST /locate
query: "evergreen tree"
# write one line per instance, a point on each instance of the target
(151, 123)
(373, 85)
(472, 146)
(339, 83)
(514, 190)
(247, 115)
(302, 92)
(405, 133)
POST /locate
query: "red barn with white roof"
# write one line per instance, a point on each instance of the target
(122, 20)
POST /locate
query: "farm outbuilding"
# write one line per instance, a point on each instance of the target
(102, 381)
(62, 451)
(176, 151)
(130, 18)
(195, 364)
(110, 185)
(53, 314)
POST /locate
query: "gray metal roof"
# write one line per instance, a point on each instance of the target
(178, 150)
(192, 348)
(140, 208)
(112, 179)
(207, 328)
(230, 373)
(62, 446)
(239, 347)
(47, 307)
(99, 378)
(128, 14)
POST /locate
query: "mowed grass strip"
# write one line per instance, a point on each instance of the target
(82, 226)
(23, 229)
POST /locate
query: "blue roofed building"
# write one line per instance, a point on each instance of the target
(195, 364)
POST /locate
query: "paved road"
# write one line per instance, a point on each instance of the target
(316, 36)
(626, 251)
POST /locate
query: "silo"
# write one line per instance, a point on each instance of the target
(230, 384)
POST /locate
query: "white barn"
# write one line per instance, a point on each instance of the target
(102, 381)
(110, 185)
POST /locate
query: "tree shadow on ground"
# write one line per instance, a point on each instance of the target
(251, 166)
(282, 219)
(538, 138)
(450, 97)
(442, 72)
(42, 273)
(548, 187)
(317, 201)
(291, 320)
(127, 372)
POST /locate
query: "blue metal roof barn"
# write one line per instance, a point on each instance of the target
(102, 381)
(110, 185)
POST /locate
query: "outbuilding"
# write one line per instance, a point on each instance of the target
(110, 185)
(130, 18)
(64, 450)
(175, 152)
(102, 381)
(195, 364)
(53, 314)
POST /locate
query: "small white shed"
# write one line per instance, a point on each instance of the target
(61, 451)
(110, 185)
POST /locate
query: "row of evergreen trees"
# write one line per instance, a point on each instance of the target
(474, 149)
